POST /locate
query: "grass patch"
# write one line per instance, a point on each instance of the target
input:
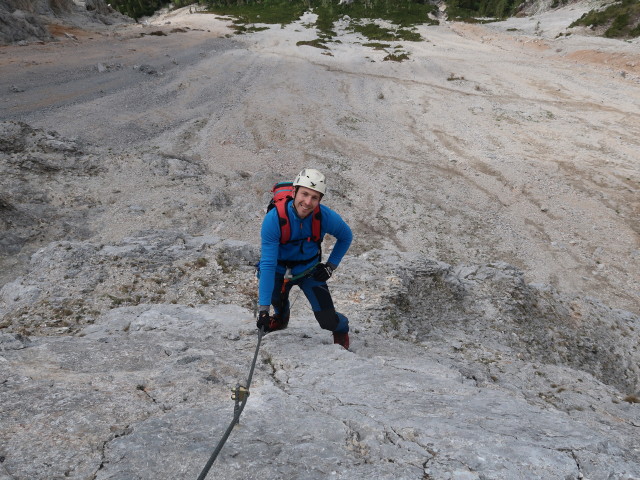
(200, 262)
(375, 32)
(317, 43)
(408, 35)
(377, 45)
(393, 57)
(222, 262)
(403, 13)
(268, 12)
(241, 29)
(453, 77)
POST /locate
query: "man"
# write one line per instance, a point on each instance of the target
(299, 260)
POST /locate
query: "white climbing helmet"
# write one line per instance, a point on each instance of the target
(311, 178)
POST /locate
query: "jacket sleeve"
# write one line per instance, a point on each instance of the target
(270, 245)
(338, 228)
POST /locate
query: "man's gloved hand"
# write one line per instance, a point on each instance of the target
(322, 272)
(263, 321)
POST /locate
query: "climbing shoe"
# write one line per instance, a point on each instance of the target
(341, 339)
(278, 323)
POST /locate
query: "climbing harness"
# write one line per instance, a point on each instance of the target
(288, 278)
(240, 394)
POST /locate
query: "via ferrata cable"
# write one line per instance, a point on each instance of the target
(240, 394)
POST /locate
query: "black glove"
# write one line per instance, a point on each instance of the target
(263, 321)
(322, 272)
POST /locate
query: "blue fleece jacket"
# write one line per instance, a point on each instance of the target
(299, 247)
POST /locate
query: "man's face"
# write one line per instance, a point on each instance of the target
(305, 201)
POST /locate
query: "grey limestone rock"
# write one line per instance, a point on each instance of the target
(20, 26)
(144, 392)
(25, 21)
(454, 371)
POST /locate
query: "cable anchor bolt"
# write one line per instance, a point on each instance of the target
(239, 393)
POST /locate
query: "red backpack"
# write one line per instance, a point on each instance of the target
(282, 193)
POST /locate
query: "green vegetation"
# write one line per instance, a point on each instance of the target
(622, 19)
(137, 8)
(318, 43)
(375, 32)
(377, 45)
(396, 57)
(403, 13)
(470, 9)
(239, 27)
(142, 8)
(268, 11)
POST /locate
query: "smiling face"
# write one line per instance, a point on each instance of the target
(305, 201)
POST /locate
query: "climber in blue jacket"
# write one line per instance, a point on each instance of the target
(291, 255)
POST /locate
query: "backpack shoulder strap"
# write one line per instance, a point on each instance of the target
(283, 219)
(282, 193)
(316, 224)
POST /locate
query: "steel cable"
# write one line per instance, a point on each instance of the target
(239, 393)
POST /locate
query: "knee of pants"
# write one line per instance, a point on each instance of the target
(328, 319)
(332, 321)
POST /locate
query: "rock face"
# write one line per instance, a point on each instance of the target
(454, 371)
(127, 298)
(71, 284)
(31, 212)
(492, 304)
(27, 20)
(18, 25)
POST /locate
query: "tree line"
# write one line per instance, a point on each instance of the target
(456, 9)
